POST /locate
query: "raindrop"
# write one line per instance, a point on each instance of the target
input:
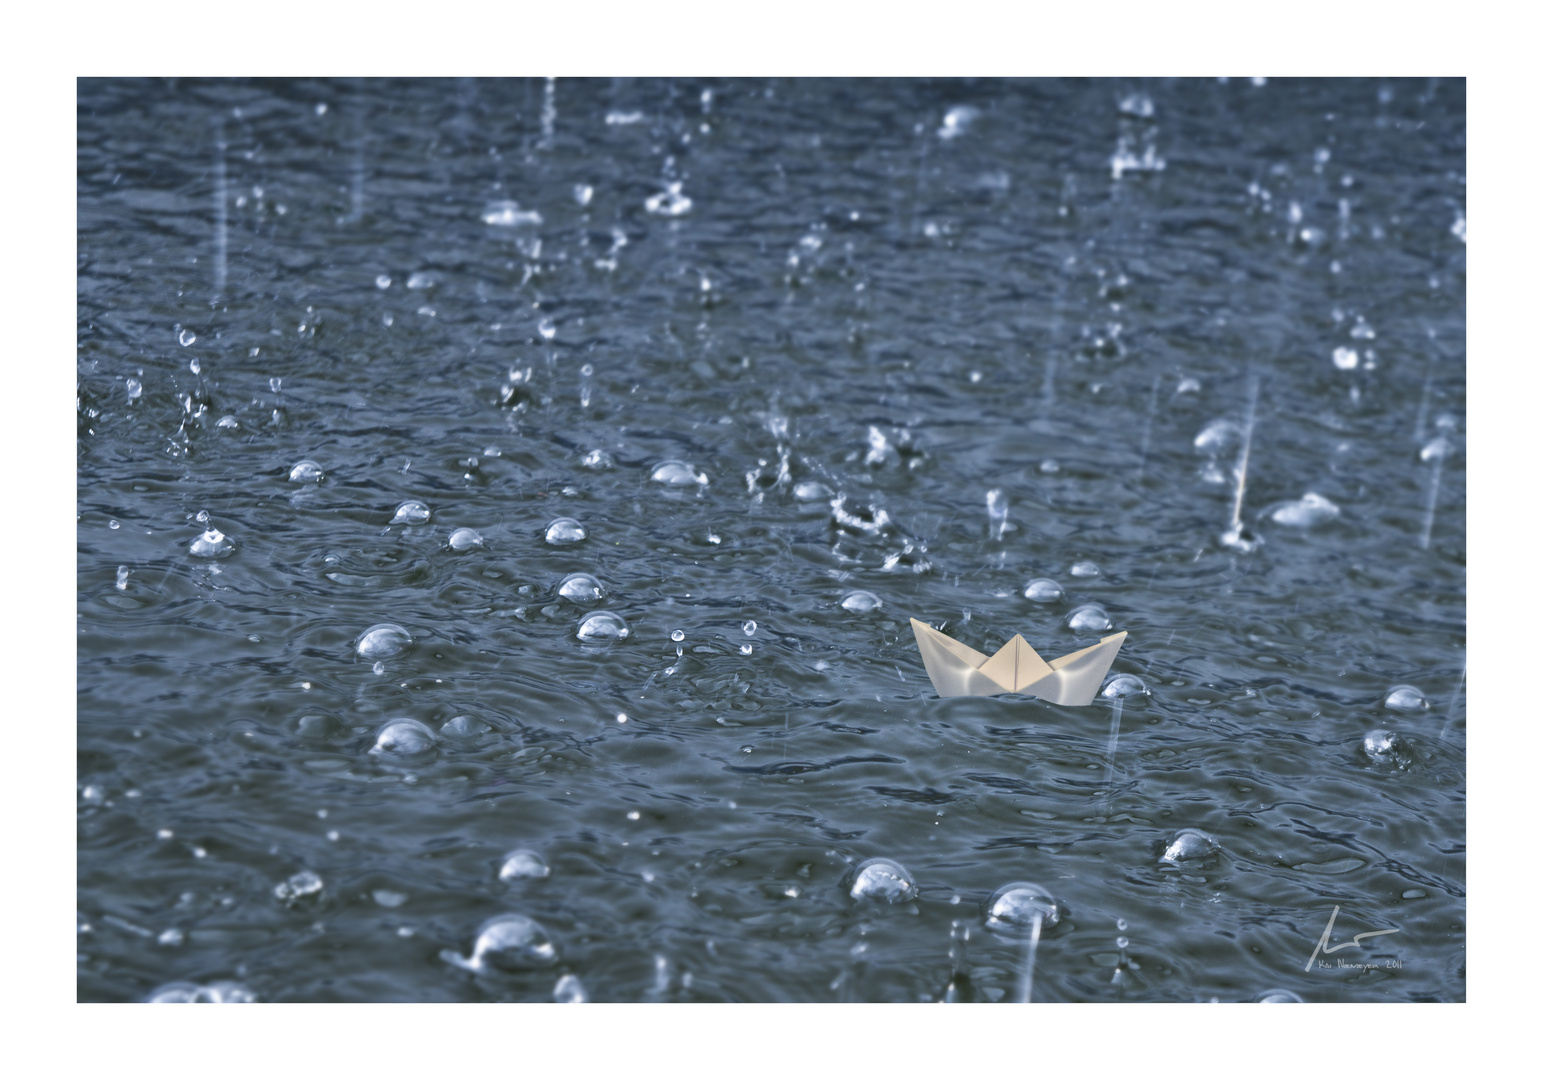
(1189, 844)
(411, 512)
(581, 589)
(465, 539)
(860, 602)
(186, 338)
(306, 472)
(122, 582)
(1085, 569)
(1089, 617)
(404, 738)
(565, 530)
(881, 879)
(996, 512)
(194, 366)
(1405, 698)
(1042, 591)
(211, 544)
(507, 943)
(306, 885)
(676, 474)
(383, 639)
(603, 626)
(677, 635)
(749, 628)
(135, 388)
(1345, 359)
(523, 864)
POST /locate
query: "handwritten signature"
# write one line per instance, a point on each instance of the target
(1323, 942)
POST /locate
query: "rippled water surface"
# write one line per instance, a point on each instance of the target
(501, 506)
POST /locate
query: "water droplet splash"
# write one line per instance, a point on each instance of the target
(883, 880)
(506, 214)
(299, 888)
(211, 544)
(508, 943)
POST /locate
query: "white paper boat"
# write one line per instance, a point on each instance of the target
(959, 671)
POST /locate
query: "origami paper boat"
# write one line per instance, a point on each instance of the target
(959, 671)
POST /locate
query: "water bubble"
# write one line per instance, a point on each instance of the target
(306, 472)
(746, 649)
(1278, 997)
(860, 602)
(464, 727)
(1089, 617)
(1085, 568)
(1188, 385)
(676, 474)
(677, 635)
(1013, 908)
(583, 193)
(603, 626)
(1346, 359)
(506, 213)
(565, 530)
(228, 422)
(1385, 747)
(523, 864)
(598, 459)
(749, 628)
(1311, 509)
(811, 491)
(221, 992)
(383, 281)
(956, 120)
(404, 738)
(211, 544)
(569, 991)
(1124, 686)
(1217, 436)
(194, 366)
(669, 202)
(389, 898)
(411, 512)
(306, 885)
(881, 879)
(1405, 698)
(1042, 591)
(1189, 844)
(1436, 450)
(112, 523)
(581, 589)
(465, 539)
(383, 639)
(507, 943)
(186, 338)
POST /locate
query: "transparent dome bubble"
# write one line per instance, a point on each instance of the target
(465, 539)
(1089, 617)
(1043, 591)
(1217, 436)
(603, 626)
(860, 602)
(303, 886)
(404, 738)
(522, 864)
(581, 589)
(881, 879)
(1311, 509)
(306, 472)
(464, 727)
(598, 459)
(411, 512)
(1405, 698)
(569, 991)
(1085, 568)
(811, 491)
(1386, 748)
(677, 635)
(211, 544)
(1278, 997)
(1190, 844)
(676, 474)
(221, 992)
(1013, 908)
(507, 943)
(382, 640)
(565, 530)
(319, 727)
(1124, 686)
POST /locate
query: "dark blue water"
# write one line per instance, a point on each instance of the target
(1201, 342)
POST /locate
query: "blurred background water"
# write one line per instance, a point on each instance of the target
(500, 506)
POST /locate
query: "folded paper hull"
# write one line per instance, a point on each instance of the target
(956, 670)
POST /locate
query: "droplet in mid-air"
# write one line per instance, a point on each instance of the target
(507, 943)
(383, 639)
(1013, 908)
(860, 602)
(1089, 617)
(1405, 698)
(1189, 844)
(465, 539)
(306, 472)
(1124, 686)
(749, 628)
(881, 879)
(523, 864)
(1043, 591)
(581, 589)
(676, 474)
(603, 626)
(411, 512)
(211, 544)
(677, 635)
(565, 530)
(404, 738)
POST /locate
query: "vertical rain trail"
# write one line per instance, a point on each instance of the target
(1233, 537)
(1146, 434)
(1456, 697)
(1435, 451)
(1114, 742)
(1027, 992)
(221, 240)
